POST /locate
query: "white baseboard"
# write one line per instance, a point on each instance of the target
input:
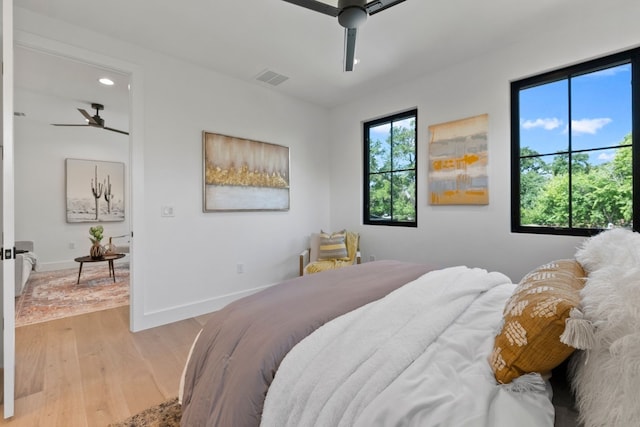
(63, 265)
(174, 314)
(151, 319)
(58, 265)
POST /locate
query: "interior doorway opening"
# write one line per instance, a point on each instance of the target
(54, 125)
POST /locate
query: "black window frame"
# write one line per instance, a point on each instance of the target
(366, 217)
(632, 57)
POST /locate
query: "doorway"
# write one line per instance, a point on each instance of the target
(54, 89)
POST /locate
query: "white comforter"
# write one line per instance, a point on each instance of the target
(417, 358)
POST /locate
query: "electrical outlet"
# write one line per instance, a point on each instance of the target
(240, 268)
(72, 245)
(372, 257)
(167, 211)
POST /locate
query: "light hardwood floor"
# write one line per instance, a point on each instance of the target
(89, 370)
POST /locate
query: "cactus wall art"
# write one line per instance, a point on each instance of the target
(95, 191)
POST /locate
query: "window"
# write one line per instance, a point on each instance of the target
(390, 170)
(573, 166)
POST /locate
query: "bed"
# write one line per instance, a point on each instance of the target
(390, 343)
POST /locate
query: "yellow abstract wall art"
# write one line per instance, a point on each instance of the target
(242, 174)
(458, 159)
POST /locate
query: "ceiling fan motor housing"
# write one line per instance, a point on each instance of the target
(99, 121)
(352, 13)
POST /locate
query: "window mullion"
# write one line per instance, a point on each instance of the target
(570, 153)
(391, 169)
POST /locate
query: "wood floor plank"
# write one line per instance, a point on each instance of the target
(23, 406)
(104, 400)
(30, 360)
(90, 370)
(62, 381)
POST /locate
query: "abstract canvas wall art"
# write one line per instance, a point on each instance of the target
(95, 190)
(458, 157)
(244, 175)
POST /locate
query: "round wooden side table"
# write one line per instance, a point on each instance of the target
(109, 258)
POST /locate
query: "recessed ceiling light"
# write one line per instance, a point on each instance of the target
(105, 81)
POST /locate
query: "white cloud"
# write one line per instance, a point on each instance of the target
(606, 156)
(590, 126)
(546, 124)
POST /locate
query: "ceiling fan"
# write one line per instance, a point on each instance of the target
(351, 14)
(94, 121)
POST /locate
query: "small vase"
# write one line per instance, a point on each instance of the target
(96, 251)
(110, 248)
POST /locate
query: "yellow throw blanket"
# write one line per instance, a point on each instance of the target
(329, 264)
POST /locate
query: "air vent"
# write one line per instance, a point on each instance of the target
(271, 77)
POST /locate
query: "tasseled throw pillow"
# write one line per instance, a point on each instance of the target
(540, 319)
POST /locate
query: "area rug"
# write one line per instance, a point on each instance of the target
(50, 295)
(166, 414)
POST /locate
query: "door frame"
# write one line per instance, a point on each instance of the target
(8, 264)
(12, 37)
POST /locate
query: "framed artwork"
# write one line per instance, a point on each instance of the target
(95, 191)
(458, 160)
(244, 175)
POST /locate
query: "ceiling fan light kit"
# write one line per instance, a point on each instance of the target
(351, 15)
(94, 121)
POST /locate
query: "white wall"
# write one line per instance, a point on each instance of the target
(188, 262)
(471, 235)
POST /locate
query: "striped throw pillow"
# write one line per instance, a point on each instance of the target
(333, 246)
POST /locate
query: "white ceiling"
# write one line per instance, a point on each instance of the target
(243, 38)
(50, 89)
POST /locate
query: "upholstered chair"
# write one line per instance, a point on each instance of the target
(328, 251)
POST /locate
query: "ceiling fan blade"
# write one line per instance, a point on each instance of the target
(349, 48)
(116, 130)
(317, 6)
(88, 116)
(64, 124)
(380, 5)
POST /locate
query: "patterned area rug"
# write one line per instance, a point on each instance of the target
(50, 295)
(167, 414)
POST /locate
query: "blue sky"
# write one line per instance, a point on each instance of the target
(382, 132)
(600, 113)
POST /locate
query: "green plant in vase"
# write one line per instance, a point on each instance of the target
(97, 250)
